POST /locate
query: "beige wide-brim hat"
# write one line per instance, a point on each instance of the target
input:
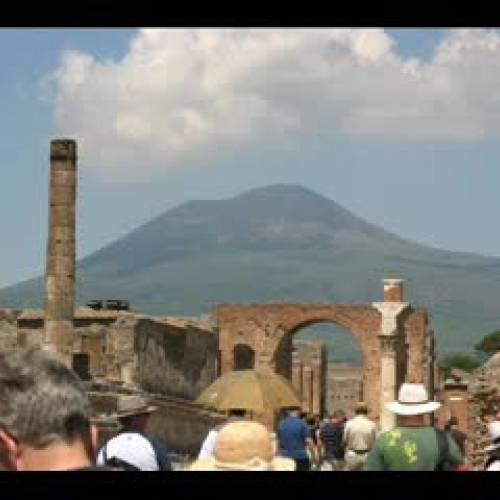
(244, 446)
(128, 405)
(494, 432)
(412, 400)
(256, 464)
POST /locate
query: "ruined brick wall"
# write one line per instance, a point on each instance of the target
(309, 375)
(182, 425)
(27, 337)
(9, 315)
(419, 348)
(121, 356)
(173, 360)
(8, 335)
(266, 327)
(483, 405)
(455, 403)
(345, 387)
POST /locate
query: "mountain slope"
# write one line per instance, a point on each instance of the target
(282, 243)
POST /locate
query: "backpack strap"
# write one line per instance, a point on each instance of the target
(443, 449)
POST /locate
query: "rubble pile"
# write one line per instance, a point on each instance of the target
(484, 403)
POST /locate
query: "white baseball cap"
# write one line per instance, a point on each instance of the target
(132, 448)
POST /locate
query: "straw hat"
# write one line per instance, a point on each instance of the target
(494, 431)
(412, 400)
(244, 446)
(134, 404)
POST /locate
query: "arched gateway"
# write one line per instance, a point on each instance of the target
(395, 338)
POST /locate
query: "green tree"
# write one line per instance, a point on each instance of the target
(462, 361)
(490, 344)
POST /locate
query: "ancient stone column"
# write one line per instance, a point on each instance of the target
(388, 344)
(296, 371)
(61, 250)
(390, 339)
(307, 387)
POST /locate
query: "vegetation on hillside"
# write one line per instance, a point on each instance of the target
(463, 361)
(490, 344)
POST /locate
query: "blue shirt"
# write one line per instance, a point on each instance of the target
(292, 434)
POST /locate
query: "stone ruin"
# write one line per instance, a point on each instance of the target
(484, 403)
(174, 359)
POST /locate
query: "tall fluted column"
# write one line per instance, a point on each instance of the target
(61, 249)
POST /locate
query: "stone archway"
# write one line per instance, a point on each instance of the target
(393, 336)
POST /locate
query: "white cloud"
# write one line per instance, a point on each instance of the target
(178, 96)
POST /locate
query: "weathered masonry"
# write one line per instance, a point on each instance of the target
(395, 338)
(61, 250)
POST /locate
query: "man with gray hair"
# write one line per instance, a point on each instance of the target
(44, 414)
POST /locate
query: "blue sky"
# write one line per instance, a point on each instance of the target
(398, 126)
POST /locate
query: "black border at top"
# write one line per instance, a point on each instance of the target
(280, 13)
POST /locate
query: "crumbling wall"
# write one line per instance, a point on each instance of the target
(182, 425)
(484, 403)
(177, 360)
(8, 335)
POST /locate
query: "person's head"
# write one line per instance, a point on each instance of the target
(494, 436)
(44, 414)
(336, 416)
(244, 446)
(413, 403)
(452, 422)
(310, 419)
(294, 411)
(133, 412)
(361, 408)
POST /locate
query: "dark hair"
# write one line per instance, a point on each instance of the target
(361, 409)
(41, 400)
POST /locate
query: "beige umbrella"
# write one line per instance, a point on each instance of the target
(257, 390)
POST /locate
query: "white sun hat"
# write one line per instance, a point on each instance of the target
(412, 400)
(494, 432)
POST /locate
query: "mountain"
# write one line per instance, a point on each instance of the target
(282, 243)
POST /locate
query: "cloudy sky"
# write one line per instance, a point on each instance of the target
(399, 126)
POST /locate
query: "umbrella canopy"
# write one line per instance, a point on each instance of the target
(252, 390)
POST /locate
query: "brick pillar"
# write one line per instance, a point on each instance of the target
(61, 250)
(393, 290)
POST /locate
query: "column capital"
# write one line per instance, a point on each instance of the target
(388, 344)
(390, 312)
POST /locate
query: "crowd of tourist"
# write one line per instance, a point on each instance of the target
(45, 424)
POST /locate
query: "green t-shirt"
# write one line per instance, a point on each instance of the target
(409, 448)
